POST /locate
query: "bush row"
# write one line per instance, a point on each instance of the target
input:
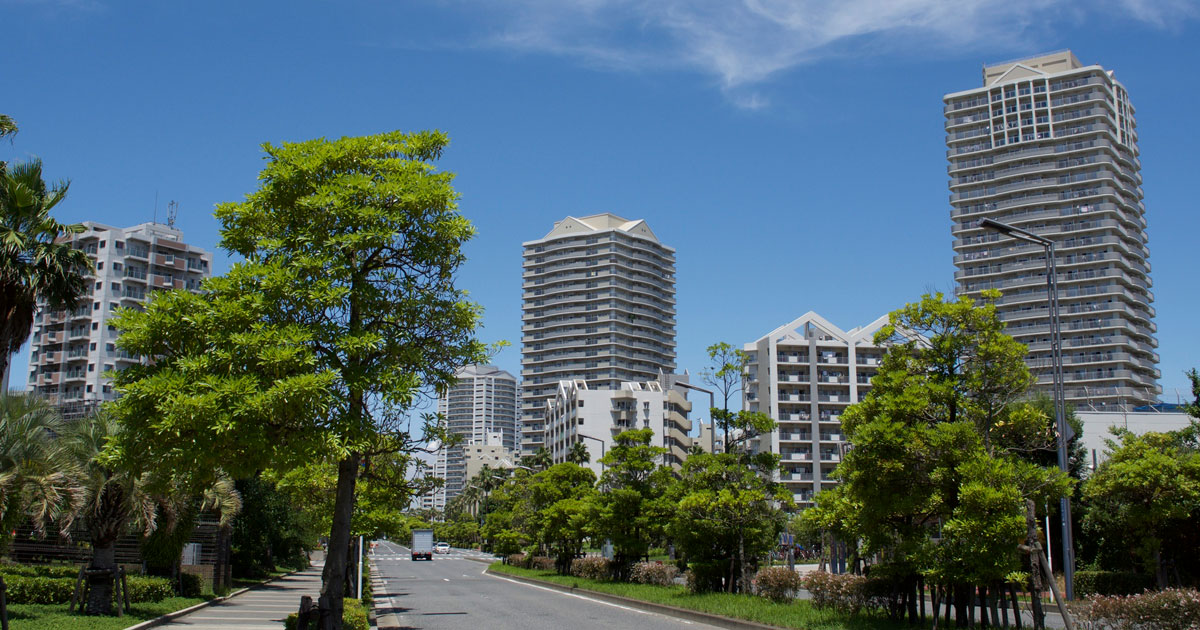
(1111, 583)
(778, 584)
(592, 568)
(655, 573)
(40, 570)
(354, 617)
(1171, 609)
(44, 590)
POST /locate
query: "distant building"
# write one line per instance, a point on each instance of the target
(1049, 145)
(579, 414)
(1096, 426)
(72, 349)
(598, 307)
(481, 407)
(804, 375)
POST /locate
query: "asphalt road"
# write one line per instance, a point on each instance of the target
(452, 592)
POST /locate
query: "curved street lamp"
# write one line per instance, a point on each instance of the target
(1068, 540)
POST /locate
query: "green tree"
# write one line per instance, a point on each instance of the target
(579, 454)
(8, 126)
(725, 373)
(943, 443)
(116, 501)
(343, 314)
(727, 515)
(1150, 485)
(36, 260)
(539, 459)
(553, 511)
(633, 508)
(37, 476)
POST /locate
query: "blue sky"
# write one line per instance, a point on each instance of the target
(791, 151)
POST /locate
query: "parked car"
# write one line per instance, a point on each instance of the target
(442, 547)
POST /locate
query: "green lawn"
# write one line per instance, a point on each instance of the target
(798, 614)
(44, 617)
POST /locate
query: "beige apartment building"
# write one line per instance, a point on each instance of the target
(804, 375)
(71, 350)
(598, 307)
(1049, 145)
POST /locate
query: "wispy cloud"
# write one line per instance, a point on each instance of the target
(745, 42)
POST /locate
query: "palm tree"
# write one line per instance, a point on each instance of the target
(579, 454)
(224, 499)
(116, 501)
(540, 459)
(8, 126)
(36, 261)
(36, 476)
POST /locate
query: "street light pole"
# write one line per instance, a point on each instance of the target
(1060, 421)
(602, 447)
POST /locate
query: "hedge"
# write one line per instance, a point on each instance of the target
(39, 570)
(44, 590)
(1111, 583)
(354, 617)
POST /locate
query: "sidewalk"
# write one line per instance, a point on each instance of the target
(262, 607)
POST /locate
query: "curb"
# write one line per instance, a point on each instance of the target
(662, 609)
(171, 616)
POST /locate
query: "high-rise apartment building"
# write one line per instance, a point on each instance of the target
(481, 407)
(804, 375)
(72, 349)
(1050, 145)
(599, 306)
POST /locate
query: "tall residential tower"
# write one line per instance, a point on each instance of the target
(1049, 145)
(482, 407)
(599, 306)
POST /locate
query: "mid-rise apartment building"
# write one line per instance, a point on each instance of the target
(598, 307)
(579, 414)
(71, 350)
(804, 375)
(482, 408)
(1049, 145)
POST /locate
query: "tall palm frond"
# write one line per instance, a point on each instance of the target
(8, 126)
(223, 498)
(36, 258)
(37, 476)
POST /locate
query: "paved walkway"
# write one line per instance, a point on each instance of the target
(263, 607)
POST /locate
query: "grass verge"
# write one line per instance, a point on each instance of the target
(798, 614)
(44, 616)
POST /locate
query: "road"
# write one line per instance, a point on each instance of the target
(452, 592)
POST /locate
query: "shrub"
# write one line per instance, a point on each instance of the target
(654, 573)
(45, 590)
(147, 589)
(541, 563)
(592, 568)
(1111, 583)
(778, 584)
(190, 585)
(40, 570)
(23, 589)
(844, 593)
(516, 559)
(1171, 609)
(704, 577)
(354, 617)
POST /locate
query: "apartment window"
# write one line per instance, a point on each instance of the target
(108, 389)
(95, 306)
(91, 367)
(89, 388)
(99, 266)
(116, 286)
(108, 367)
(96, 326)
(99, 285)
(116, 266)
(93, 346)
(102, 243)
(110, 347)
(119, 244)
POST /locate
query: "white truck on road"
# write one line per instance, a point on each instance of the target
(422, 544)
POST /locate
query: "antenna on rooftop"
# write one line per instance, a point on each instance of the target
(172, 212)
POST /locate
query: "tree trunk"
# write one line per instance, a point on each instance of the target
(1035, 567)
(1016, 606)
(101, 574)
(334, 576)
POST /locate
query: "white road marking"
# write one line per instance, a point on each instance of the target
(445, 579)
(583, 597)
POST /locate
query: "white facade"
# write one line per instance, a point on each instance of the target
(71, 350)
(804, 375)
(598, 306)
(1097, 426)
(577, 413)
(1050, 146)
(482, 407)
